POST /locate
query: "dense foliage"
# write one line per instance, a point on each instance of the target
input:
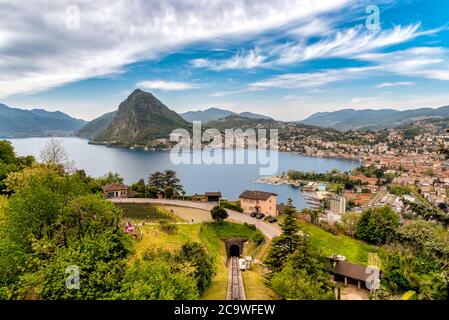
(60, 239)
(298, 270)
(219, 214)
(378, 226)
(418, 260)
(9, 162)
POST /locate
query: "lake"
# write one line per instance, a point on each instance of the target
(230, 179)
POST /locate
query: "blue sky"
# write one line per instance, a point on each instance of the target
(286, 58)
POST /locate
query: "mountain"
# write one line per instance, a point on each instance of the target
(210, 114)
(213, 114)
(140, 119)
(37, 122)
(96, 126)
(251, 115)
(350, 119)
(236, 121)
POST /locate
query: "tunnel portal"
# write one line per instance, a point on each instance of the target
(234, 247)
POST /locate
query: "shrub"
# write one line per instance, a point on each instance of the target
(231, 206)
(378, 225)
(168, 227)
(219, 214)
(258, 238)
(250, 226)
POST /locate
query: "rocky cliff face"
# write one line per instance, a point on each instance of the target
(140, 119)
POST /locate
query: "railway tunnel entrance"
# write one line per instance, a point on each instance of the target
(234, 250)
(234, 247)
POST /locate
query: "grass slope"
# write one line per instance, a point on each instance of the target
(213, 235)
(144, 212)
(355, 251)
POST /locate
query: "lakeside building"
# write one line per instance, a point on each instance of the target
(212, 197)
(337, 204)
(115, 190)
(259, 201)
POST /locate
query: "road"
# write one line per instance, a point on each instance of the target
(269, 230)
(382, 193)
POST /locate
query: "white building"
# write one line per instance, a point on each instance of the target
(337, 204)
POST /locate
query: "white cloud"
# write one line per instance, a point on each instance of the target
(364, 100)
(165, 85)
(425, 62)
(395, 84)
(242, 60)
(43, 53)
(334, 43)
(312, 79)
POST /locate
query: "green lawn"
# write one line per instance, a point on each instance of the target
(255, 287)
(355, 251)
(154, 238)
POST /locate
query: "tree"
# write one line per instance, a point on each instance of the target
(169, 192)
(305, 275)
(167, 179)
(140, 187)
(153, 279)
(195, 255)
(53, 221)
(289, 226)
(110, 178)
(295, 284)
(219, 214)
(349, 222)
(313, 215)
(9, 163)
(54, 152)
(378, 225)
(7, 154)
(171, 180)
(285, 244)
(156, 180)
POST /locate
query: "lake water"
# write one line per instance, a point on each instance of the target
(231, 180)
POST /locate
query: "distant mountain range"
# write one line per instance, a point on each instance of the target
(213, 114)
(37, 122)
(142, 118)
(350, 119)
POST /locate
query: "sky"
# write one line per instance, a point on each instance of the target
(284, 58)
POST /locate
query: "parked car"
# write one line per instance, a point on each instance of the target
(253, 214)
(272, 219)
(260, 216)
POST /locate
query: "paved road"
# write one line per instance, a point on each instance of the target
(269, 230)
(382, 193)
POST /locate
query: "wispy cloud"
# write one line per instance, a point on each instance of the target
(334, 43)
(166, 85)
(425, 62)
(43, 53)
(395, 84)
(365, 99)
(312, 79)
(242, 60)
